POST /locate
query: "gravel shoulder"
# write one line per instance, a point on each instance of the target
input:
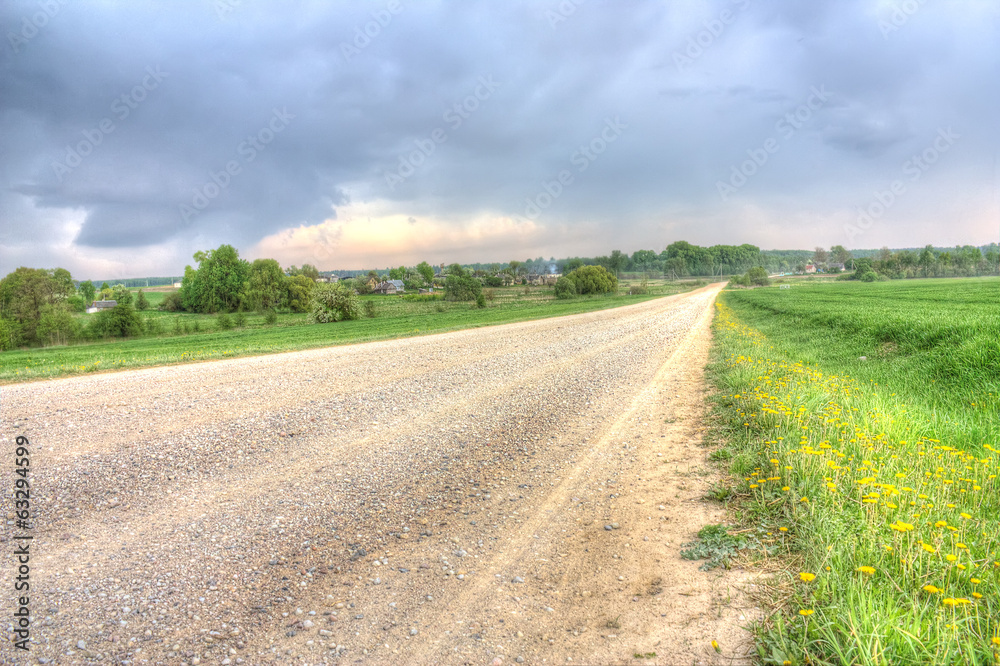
(513, 491)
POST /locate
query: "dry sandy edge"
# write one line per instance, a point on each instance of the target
(184, 510)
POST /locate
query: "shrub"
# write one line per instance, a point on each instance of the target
(489, 294)
(480, 300)
(334, 302)
(196, 327)
(593, 280)
(177, 326)
(460, 286)
(370, 310)
(756, 276)
(121, 321)
(224, 321)
(141, 302)
(270, 317)
(76, 303)
(171, 302)
(240, 319)
(869, 276)
(440, 307)
(57, 325)
(565, 288)
(7, 334)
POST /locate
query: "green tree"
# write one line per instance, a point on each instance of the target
(565, 287)
(840, 254)
(141, 302)
(57, 325)
(121, 294)
(617, 261)
(266, 287)
(218, 282)
(757, 276)
(121, 321)
(426, 272)
(397, 273)
(23, 296)
(298, 290)
(334, 302)
(88, 290)
(460, 286)
(593, 280)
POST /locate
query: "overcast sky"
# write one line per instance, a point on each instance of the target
(351, 135)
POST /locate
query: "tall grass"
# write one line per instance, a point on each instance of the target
(878, 475)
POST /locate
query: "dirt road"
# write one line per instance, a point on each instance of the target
(512, 494)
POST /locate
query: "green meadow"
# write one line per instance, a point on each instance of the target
(861, 425)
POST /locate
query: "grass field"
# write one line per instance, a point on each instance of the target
(874, 479)
(395, 317)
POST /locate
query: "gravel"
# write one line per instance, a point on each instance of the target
(184, 512)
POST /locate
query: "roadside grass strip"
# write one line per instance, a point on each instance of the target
(892, 535)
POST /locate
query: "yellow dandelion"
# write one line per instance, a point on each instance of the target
(807, 577)
(929, 548)
(931, 589)
(950, 557)
(782, 529)
(867, 570)
(805, 612)
(715, 646)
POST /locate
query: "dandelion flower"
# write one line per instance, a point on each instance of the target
(805, 612)
(867, 570)
(931, 589)
(715, 646)
(950, 557)
(807, 577)
(926, 546)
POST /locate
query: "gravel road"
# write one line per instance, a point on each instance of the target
(508, 494)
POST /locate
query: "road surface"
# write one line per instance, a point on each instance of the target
(511, 494)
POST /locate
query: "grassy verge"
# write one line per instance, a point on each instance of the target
(876, 476)
(396, 318)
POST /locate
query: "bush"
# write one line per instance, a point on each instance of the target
(76, 304)
(7, 334)
(240, 319)
(869, 276)
(121, 321)
(489, 294)
(141, 302)
(565, 288)
(460, 286)
(370, 310)
(196, 327)
(270, 317)
(480, 300)
(440, 307)
(177, 326)
(334, 302)
(593, 280)
(224, 321)
(171, 302)
(57, 326)
(756, 276)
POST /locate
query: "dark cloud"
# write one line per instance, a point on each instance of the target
(153, 126)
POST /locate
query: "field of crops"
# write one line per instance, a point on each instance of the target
(187, 337)
(862, 422)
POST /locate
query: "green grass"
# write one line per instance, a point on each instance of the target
(877, 476)
(396, 317)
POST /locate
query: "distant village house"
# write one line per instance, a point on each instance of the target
(101, 305)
